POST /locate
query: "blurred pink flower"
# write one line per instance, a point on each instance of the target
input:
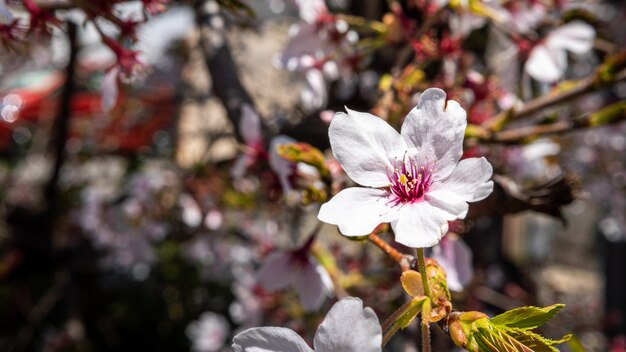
(415, 179)
(283, 168)
(250, 131)
(455, 257)
(301, 271)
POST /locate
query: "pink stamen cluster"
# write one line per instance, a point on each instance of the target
(410, 180)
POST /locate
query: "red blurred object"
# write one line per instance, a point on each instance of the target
(29, 100)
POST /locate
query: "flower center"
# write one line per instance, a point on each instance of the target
(410, 180)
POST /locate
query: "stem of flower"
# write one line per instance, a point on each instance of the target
(425, 334)
(421, 263)
(422, 268)
(403, 260)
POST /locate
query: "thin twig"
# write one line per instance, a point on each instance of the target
(425, 334)
(60, 127)
(611, 114)
(582, 87)
(404, 260)
(40, 311)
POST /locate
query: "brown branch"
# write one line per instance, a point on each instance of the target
(60, 127)
(219, 61)
(597, 80)
(404, 260)
(582, 87)
(610, 114)
(405, 53)
(40, 311)
(509, 197)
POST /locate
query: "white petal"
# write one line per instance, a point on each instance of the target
(348, 327)
(269, 339)
(468, 182)
(314, 95)
(305, 41)
(276, 271)
(463, 23)
(540, 149)
(250, 125)
(420, 225)
(208, 333)
(191, 212)
(238, 170)
(357, 211)
(281, 167)
(365, 146)
(310, 10)
(434, 133)
(576, 36)
(456, 259)
(110, 90)
(313, 284)
(545, 64)
(450, 202)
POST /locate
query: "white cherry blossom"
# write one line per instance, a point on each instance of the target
(348, 327)
(548, 60)
(414, 179)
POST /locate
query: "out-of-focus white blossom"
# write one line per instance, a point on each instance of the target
(547, 61)
(208, 333)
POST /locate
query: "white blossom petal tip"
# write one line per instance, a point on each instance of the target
(349, 327)
(269, 339)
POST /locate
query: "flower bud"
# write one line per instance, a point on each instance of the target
(456, 329)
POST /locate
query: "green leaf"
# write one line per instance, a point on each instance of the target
(535, 341)
(575, 345)
(412, 310)
(526, 318)
(496, 340)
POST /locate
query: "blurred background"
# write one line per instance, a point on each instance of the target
(142, 191)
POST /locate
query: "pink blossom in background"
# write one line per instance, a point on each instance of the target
(455, 257)
(299, 270)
